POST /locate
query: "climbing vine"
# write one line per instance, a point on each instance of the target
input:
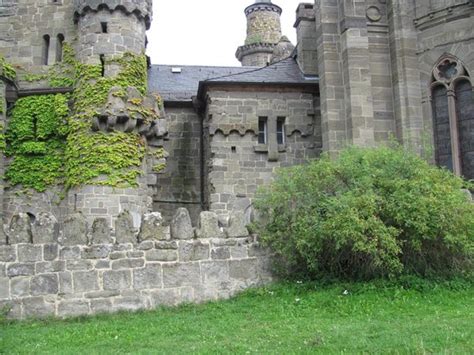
(35, 140)
(7, 70)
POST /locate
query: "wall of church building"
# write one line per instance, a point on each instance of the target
(179, 185)
(236, 163)
(23, 25)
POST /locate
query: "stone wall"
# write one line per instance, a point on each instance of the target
(236, 163)
(179, 185)
(62, 276)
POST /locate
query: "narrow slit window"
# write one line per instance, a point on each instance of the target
(281, 130)
(102, 65)
(59, 48)
(104, 27)
(262, 130)
(46, 40)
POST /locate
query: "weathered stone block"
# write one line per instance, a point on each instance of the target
(20, 286)
(237, 227)
(73, 308)
(20, 269)
(44, 284)
(117, 280)
(214, 271)
(101, 306)
(118, 255)
(7, 253)
(70, 253)
(65, 282)
(135, 254)
(102, 294)
(181, 227)
(20, 229)
(102, 264)
(220, 253)
(100, 233)
(146, 245)
(128, 304)
(101, 251)
(152, 227)
(166, 245)
(161, 255)
(193, 250)
(50, 266)
(127, 264)
(37, 307)
(257, 250)
(45, 229)
(50, 251)
(74, 230)
(79, 265)
(243, 269)
(148, 277)
(209, 226)
(181, 274)
(85, 281)
(239, 252)
(4, 287)
(165, 297)
(29, 252)
(124, 231)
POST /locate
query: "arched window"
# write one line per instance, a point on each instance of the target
(453, 116)
(59, 48)
(45, 49)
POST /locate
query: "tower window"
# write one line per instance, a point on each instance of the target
(59, 48)
(103, 26)
(102, 65)
(262, 130)
(281, 130)
(46, 41)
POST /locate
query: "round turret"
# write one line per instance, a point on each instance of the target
(263, 33)
(108, 28)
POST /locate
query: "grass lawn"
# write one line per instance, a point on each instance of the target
(283, 318)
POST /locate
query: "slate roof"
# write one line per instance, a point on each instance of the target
(182, 86)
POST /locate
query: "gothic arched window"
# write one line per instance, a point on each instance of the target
(453, 116)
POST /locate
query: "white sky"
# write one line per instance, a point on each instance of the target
(205, 32)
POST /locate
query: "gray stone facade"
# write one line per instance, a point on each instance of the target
(85, 277)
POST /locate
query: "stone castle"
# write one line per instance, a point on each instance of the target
(127, 185)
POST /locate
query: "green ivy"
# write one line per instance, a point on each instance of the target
(113, 158)
(36, 140)
(7, 70)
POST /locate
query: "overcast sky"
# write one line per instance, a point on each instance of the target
(205, 32)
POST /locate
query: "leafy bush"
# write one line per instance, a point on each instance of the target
(370, 213)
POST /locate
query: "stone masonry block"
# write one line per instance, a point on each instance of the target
(20, 286)
(181, 274)
(29, 252)
(50, 252)
(209, 226)
(70, 253)
(193, 250)
(161, 255)
(73, 308)
(85, 281)
(147, 277)
(74, 230)
(100, 233)
(165, 297)
(100, 251)
(7, 253)
(127, 264)
(152, 227)
(37, 307)
(44, 284)
(245, 269)
(45, 229)
(124, 231)
(181, 227)
(20, 269)
(20, 229)
(214, 271)
(237, 227)
(4, 288)
(117, 280)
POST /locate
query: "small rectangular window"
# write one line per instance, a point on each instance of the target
(103, 25)
(281, 130)
(262, 130)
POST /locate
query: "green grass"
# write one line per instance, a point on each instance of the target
(425, 317)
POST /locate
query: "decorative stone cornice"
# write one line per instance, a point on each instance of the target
(253, 48)
(140, 8)
(263, 6)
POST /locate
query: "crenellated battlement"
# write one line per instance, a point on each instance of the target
(143, 9)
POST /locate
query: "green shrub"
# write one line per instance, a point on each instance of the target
(370, 213)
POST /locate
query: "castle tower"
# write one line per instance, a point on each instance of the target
(263, 33)
(115, 145)
(111, 27)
